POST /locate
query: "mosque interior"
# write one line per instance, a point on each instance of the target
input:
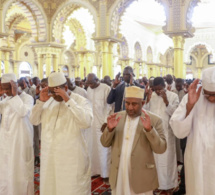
(77, 37)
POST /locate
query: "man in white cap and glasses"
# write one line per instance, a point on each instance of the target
(16, 140)
(195, 119)
(65, 164)
(134, 135)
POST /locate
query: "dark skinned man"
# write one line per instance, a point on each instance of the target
(133, 136)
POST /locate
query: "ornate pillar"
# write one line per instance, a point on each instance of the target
(6, 61)
(110, 60)
(199, 73)
(99, 71)
(105, 65)
(81, 64)
(40, 66)
(48, 64)
(15, 68)
(178, 56)
(55, 63)
(76, 71)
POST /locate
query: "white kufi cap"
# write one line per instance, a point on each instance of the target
(208, 79)
(6, 78)
(56, 79)
(134, 92)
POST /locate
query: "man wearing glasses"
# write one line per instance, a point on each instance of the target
(194, 119)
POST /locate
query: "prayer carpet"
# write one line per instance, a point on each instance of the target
(98, 186)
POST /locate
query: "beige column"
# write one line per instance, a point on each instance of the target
(6, 62)
(48, 64)
(15, 68)
(40, 66)
(55, 63)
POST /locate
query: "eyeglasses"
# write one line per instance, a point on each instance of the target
(207, 95)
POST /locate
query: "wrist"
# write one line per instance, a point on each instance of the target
(148, 130)
(109, 129)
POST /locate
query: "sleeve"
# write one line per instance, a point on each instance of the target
(21, 106)
(157, 138)
(111, 97)
(108, 106)
(170, 109)
(35, 116)
(182, 125)
(107, 138)
(81, 110)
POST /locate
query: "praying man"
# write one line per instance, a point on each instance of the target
(65, 167)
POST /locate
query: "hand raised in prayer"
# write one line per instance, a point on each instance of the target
(163, 95)
(169, 87)
(44, 95)
(59, 91)
(131, 79)
(148, 93)
(14, 88)
(193, 95)
(112, 122)
(38, 89)
(146, 121)
(117, 81)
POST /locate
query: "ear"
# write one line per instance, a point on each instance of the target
(143, 102)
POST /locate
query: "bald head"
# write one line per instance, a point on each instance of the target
(92, 81)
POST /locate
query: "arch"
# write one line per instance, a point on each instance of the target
(115, 13)
(124, 48)
(35, 15)
(25, 69)
(138, 51)
(149, 54)
(79, 33)
(64, 11)
(191, 47)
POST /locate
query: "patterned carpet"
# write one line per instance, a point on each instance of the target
(98, 186)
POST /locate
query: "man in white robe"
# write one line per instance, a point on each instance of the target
(97, 94)
(133, 136)
(75, 89)
(194, 119)
(16, 140)
(163, 103)
(65, 167)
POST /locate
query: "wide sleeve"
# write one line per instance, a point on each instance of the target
(173, 104)
(107, 137)
(35, 116)
(21, 106)
(81, 110)
(182, 125)
(156, 137)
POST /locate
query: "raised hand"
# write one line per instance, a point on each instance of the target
(148, 93)
(146, 121)
(38, 89)
(194, 95)
(117, 81)
(62, 93)
(14, 88)
(131, 79)
(112, 122)
(44, 95)
(165, 99)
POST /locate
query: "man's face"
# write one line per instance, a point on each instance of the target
(210, 96)
(133, 106)
(71, 86)
(158, 89)
(91, 82)
(126, 76)
(56, 97)
(43, 85)
(179, 86)
(7, 88)
(169, 80)
(37, 81)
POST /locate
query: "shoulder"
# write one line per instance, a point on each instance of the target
(25, 96)
(172, 94)
(77, 97)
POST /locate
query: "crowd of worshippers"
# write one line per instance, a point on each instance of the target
(132, 133)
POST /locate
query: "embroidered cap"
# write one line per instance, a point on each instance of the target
(134, 92)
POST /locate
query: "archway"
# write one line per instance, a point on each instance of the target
(25, 70)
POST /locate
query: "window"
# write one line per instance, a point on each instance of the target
(25, 70)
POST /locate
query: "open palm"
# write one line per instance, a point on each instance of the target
(112, 121)
(194, 94)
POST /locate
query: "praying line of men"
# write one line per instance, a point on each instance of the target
(136, 148)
